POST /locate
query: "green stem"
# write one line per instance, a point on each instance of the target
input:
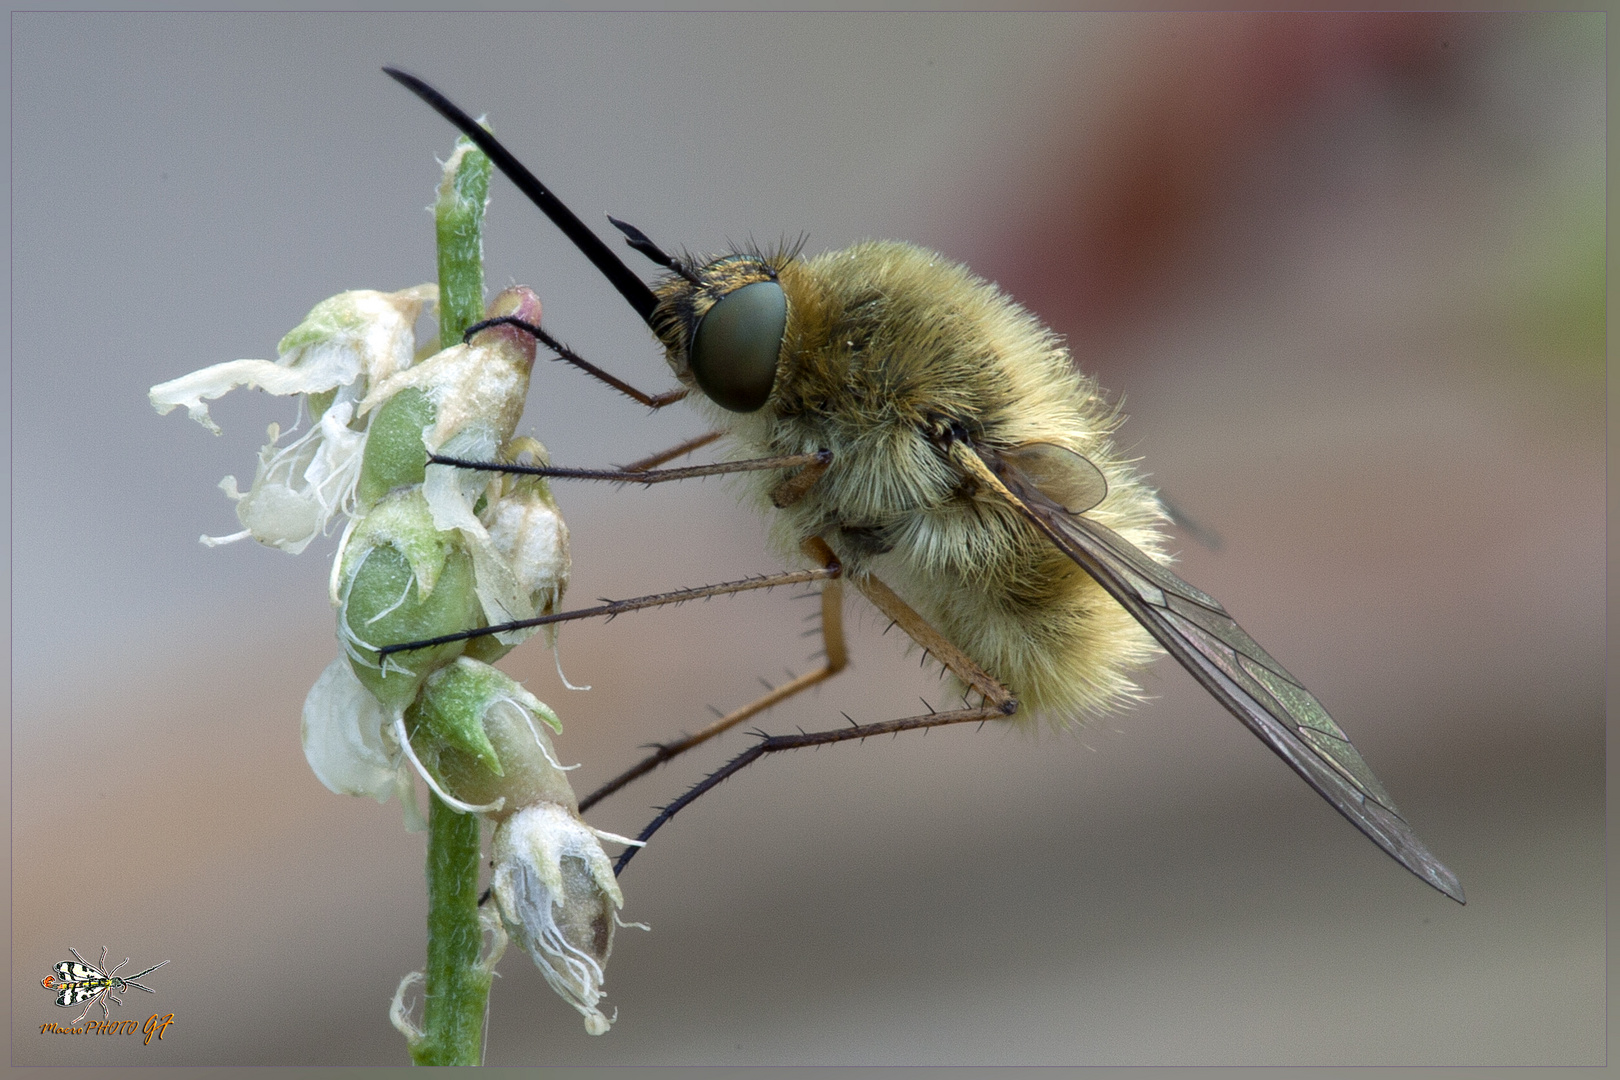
(459, 218)
(457, 986)
(457, 991)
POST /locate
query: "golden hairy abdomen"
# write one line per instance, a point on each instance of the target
(885, 342)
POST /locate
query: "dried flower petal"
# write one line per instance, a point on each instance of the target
(354, 339)
(558, 898)
(346, 738)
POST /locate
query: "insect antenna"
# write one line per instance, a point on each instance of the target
(639, 241)
(142, 974)
(631, 287)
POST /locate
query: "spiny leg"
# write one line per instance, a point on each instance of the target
(695, 443)
(91, 1003)
(837, 658)
(998, 704)
(815, 462)
(569, 356)
(936, 644)
(773, 743)
(614, 608)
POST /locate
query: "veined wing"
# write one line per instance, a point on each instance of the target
(72, 995)
(72, 972)
(1197, 631)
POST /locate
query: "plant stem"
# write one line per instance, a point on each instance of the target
(457, 991)
(458, 217)
(457, 987)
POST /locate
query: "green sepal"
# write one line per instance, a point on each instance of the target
(395, 456)
(475, 728)
(403, 580)
(333, 317)
(448, 715)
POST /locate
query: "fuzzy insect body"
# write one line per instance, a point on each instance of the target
(886, 346)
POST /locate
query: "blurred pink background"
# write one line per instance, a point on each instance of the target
(1346, 272)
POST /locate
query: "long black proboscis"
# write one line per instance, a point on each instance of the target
(631, 287)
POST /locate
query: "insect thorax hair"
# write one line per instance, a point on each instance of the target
(887, 345)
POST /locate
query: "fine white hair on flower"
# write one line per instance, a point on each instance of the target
(559, 900)
(403, 740)
(301, 487)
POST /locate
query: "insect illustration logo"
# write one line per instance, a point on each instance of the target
(77, 981)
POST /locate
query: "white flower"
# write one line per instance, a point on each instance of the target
(528, 538)
(559, 900)
(343, 348)
(349, 740)
(354, 339)
(299, 488)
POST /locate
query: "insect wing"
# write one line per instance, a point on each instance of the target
(72, 972)
(1197, 631)
(1069, 480)
(72, 995)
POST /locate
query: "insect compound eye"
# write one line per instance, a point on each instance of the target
(736, 345)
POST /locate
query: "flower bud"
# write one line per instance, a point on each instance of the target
(464, 401)
(528, 535)
(484, 736)
(401, 579)
(478, 388)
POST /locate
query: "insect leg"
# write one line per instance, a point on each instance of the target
(615, 608)
(832, 636)
(569, 356)
(91, 1003)
(918, 629)
(999, 703)
(773, 743)
(817, 461)
(814, 464)
(695, 443)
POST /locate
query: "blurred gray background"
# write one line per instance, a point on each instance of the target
(1346, 273)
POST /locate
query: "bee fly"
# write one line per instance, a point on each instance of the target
(82, 982)
(907, 421)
